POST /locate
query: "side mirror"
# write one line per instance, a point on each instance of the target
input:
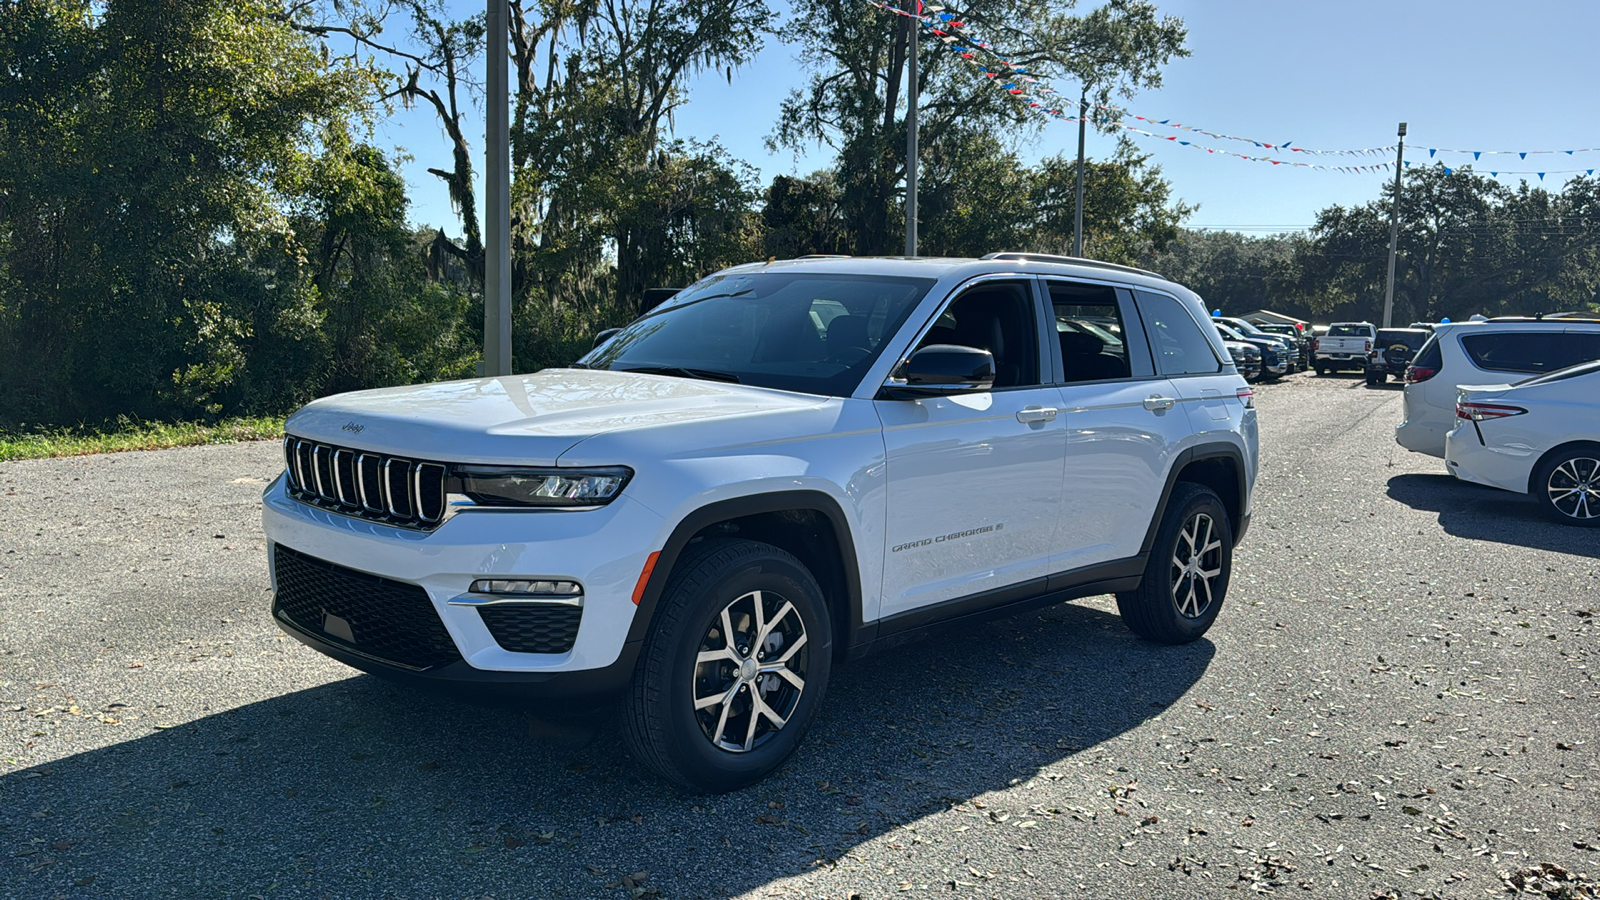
(604, 336)
(941, 369)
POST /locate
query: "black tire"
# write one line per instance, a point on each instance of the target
(1153, 610)
(1374, 380)
(661, 725)
(1567, 485)
(1322, 369)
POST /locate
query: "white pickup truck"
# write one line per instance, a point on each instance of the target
(1345, 346)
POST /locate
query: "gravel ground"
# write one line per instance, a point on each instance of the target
(1397, 701)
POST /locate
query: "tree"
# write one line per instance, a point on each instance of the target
(1128, 210)
(853, 103)
(146, 147)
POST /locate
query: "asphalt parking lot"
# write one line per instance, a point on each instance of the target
(1399, 700)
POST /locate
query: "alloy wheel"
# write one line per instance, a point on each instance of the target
(750, 671)
(1196, 566)
(1574, 488)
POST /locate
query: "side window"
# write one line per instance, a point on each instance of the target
(1578, 347)
(1528, 351)
(1091, 332)
(998, 317)
(1179, 346)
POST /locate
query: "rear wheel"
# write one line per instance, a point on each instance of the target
(1186, 577)
(1567, 485)
(1374, 379)
(1322, 369)
(734, 669)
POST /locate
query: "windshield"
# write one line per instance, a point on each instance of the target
(1243, 327)
(794, 331)
(1227, 332)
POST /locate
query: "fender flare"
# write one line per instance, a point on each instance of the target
(849, 634)
(1196, 454)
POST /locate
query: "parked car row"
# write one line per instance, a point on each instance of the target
(1514, 404)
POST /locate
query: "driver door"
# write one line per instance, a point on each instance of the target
(975, 479)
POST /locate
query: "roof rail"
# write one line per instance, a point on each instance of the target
(1072, 260)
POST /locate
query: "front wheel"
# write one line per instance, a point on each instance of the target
(1567, 485)
(734, 668)
(1186, 578)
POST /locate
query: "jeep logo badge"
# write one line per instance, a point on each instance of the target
(353, 427)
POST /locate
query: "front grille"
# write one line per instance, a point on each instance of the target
(533, 628)
(394, 490)
(390, 620)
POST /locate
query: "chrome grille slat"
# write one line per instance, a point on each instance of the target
(371, 493)
(393, 490)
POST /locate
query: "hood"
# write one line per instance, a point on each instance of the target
(523, 419)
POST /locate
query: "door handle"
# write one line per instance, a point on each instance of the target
(1158, 403)
(1030, 414)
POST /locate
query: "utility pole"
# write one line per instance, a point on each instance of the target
(912, 101)
(1394, 229)
(497, 201)
(1077, 217)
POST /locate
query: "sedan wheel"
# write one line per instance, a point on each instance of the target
(1568, 485)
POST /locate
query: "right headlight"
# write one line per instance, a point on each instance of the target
(515, 486)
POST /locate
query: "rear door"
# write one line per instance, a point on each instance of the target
(1117, 443)
(1189, 360)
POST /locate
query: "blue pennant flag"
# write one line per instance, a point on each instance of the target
(1431, 152)
(1541, 176)
(1523, 155)
(1569, 152)
(1588, 171)
(1494, 174)
(1476, 154)
(1186, 143)
(1447, 170)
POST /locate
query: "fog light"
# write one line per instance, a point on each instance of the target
(523, 587)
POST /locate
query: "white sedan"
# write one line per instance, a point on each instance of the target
(1539, 437)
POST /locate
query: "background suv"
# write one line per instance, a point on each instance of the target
(1492, 351)
(783, 465)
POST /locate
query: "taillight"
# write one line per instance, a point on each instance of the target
(1369, 346)
(1478, 412)
(1419, 374)
(1247, 396)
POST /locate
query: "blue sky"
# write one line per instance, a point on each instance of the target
(1467, 74)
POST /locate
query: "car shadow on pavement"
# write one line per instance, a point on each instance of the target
(1480, 513)
(360, 788)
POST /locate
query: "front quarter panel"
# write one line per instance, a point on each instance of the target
(834, 448)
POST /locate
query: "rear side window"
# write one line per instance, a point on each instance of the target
(1090, 330)
(1534, 352)
(1178, 344)
(1429, 357)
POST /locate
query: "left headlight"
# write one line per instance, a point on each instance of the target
(528, 487)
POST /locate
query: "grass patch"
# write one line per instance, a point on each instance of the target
(128, 435)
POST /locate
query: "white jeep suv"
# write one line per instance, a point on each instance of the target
(785, 465)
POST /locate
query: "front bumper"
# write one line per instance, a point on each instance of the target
(602, 549)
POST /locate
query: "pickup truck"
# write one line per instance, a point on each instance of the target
(1345, 346)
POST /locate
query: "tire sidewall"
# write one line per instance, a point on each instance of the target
(691, 752)
(1182, 627)
(1541, 485)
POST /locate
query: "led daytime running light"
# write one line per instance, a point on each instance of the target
(518, 487)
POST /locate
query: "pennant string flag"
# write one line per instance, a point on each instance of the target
(958, 36)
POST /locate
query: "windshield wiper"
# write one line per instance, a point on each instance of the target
(684, 372)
